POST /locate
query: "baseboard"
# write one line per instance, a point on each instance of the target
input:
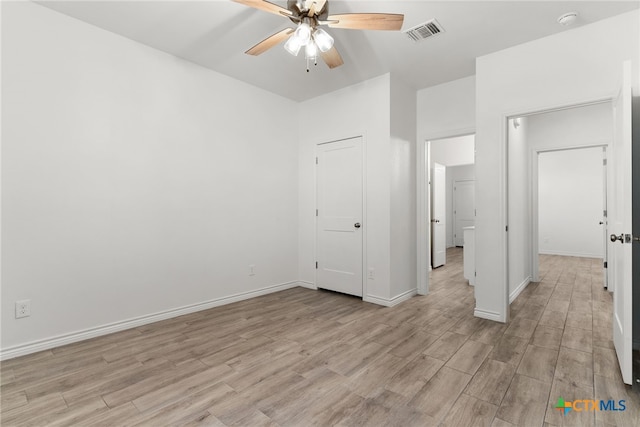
(513, 295)
(574, 254)
(489, 315)
(308, 285)
(60, 340)
(390, 302)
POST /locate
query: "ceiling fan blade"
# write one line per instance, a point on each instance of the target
(270, 42)
(266, 6)
(367, 21)
(332, 58)
(315, 7)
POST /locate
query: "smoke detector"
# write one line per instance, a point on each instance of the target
(568, 18)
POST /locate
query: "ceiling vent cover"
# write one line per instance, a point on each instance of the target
(424, 31)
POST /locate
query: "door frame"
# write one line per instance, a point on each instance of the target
(504, 214)
(455, 210)
(423, 203)
(535, 211)
(364, 210)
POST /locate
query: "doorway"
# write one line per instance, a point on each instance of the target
(529, 137)
(456, 152)
(569, 204)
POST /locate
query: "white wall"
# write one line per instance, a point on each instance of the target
(570, 203)
(574, 127)
(519, 214)
(133, 182)
(447, 110)
(362, 109)
(403, 189)
(382, 110)
(564, 69)
(455, 151)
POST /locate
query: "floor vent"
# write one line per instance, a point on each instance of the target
(424, 31)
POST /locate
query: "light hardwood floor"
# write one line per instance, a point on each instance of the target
(302, 357)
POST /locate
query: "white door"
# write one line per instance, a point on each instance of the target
(438, 216)
(339, 216)
(604, 222)
(620, 224)
(464, 204)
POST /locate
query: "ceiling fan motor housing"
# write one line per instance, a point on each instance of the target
(302, 7)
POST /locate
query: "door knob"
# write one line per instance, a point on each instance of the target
(620, 237)
(356, 225)
(601, 222)
(435, 220)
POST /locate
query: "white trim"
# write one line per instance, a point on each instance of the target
(60, 340)
(386, 302)
(423, 240)
(308, 285)
(575, 254)
(489, 315)
(518, 290)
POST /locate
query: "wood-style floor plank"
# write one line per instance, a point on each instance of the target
(317, 358)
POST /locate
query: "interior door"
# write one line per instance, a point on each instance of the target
(620, 253)
(605, 220)
(438, 216)
(464, 204)
(339, 216)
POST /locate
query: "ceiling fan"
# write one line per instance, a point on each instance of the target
(309, 16)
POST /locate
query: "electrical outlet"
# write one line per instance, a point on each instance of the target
(252, 270)
(372, 274)
(23, 308)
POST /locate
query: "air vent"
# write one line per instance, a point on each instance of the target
(424, 31)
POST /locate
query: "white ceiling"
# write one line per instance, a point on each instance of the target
(216, 33)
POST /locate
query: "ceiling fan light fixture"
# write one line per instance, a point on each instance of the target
(311, 50)
(293, 45)
(303, 34)
(323, 40)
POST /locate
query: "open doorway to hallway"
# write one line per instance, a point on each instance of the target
(456, 157)
(452, 188)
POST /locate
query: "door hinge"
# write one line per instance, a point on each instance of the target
(475, 274)
(316, 212)
(506, 228)
(475, 212)
(316, 160)
(316, 264)
(604, 213)
(605, 264)
(604, 162)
